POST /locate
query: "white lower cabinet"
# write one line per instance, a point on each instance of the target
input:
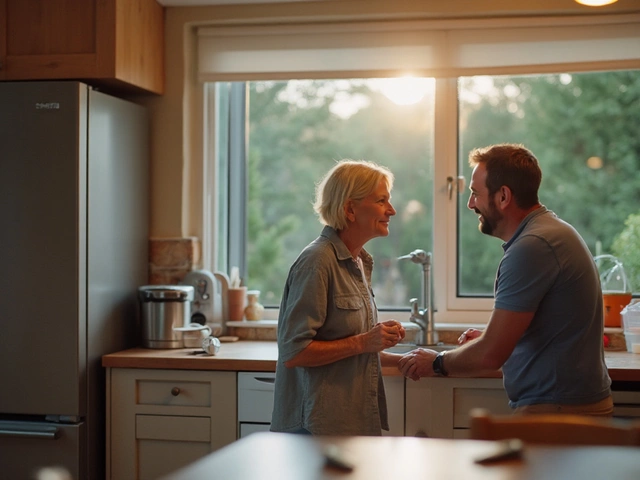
(439, 407)
(394, 390)
(161, 420)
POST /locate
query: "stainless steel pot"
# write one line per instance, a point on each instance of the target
(163, 309)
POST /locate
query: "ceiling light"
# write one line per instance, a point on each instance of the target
(596, 3)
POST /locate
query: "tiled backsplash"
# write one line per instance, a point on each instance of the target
(170, 259)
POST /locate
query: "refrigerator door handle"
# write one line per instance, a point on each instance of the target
(44, 432)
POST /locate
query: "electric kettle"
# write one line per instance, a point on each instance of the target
(209, 305)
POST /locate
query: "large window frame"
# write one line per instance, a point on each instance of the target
(473, 44)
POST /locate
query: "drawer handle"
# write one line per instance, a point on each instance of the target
(271, 380)
(175, 391)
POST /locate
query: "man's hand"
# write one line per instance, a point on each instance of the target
(417, 363)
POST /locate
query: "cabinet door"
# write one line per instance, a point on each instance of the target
(439, 407)
(55, 39)
(166, 443)
(160, 420)
(115, 43)
(394, 389)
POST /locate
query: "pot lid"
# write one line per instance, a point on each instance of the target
(164, 293)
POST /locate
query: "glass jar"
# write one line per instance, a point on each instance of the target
(616, 291)
(254, 308)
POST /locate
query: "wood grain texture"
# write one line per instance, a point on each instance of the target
(261, 356)
(237, 356)
(139, 42)
(115, 44)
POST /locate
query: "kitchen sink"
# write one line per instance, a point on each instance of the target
(407, 347)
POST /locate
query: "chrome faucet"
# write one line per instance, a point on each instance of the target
(423, 317)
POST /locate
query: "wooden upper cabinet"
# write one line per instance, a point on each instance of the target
(115, 44)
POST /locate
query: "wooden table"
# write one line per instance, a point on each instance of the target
(300, 457)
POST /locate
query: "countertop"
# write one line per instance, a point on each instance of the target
(261, 356)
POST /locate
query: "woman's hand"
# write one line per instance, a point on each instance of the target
(322, 352)
(383, 335)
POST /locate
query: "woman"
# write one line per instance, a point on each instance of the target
(328, 375)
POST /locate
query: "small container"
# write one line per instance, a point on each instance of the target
(632, 338)
(616, 291)
(194, 334)
(164, 308)
(631, 316)
(237, 298)
(254, 309)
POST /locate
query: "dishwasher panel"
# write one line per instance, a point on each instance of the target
(255, 401)
(249, 428)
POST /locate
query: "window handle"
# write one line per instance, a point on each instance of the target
(455, 183)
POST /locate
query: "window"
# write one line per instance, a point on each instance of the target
(579, 126)
(571, 99)
(297, 130)
(583, 129)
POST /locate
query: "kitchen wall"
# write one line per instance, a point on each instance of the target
(176, 170)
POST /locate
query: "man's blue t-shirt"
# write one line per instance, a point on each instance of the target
(548, 269)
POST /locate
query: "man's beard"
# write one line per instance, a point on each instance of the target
(490, 219)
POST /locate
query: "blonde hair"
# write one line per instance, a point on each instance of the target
(347, 180)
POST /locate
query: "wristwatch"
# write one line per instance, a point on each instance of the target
(438, 365)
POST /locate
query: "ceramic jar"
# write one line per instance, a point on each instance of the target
(254, 309)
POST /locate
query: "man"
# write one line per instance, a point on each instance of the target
(546, 328)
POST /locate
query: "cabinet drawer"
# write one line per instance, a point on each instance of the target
(173, 393)
(464, 399)
(165, 443)
(167, 427)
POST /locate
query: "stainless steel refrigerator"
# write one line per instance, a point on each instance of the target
(73, 250)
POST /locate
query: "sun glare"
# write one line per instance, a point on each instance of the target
(403, 90)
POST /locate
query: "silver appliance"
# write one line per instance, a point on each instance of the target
(165, 311)
(73, 250)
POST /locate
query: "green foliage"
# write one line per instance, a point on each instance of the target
(565, 120)
(572, 119)
(265, 250)
(626, 247)
(489, 121)
(295, 137)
